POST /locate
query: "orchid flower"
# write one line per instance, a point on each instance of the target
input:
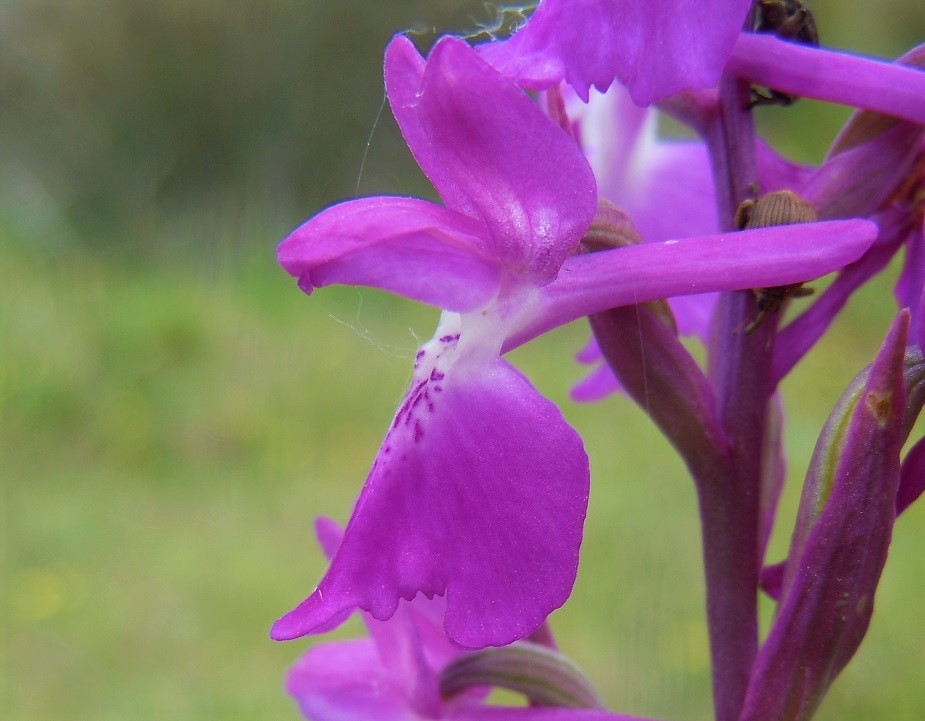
(400, 673)
(479, 491)
(874, 169)
(656, 48)
(665, 186)
(661, 48)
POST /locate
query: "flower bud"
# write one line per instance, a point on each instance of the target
(840, 542)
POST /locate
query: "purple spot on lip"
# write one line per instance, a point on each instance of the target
(418, 432)
(398, 416)
(449, 338)
(418, 398)
(414, 397)
(436, 375)
(438, 389)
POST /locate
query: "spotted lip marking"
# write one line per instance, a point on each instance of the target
(420, 396)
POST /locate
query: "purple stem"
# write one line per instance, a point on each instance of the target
(739, 369)
(730, 137)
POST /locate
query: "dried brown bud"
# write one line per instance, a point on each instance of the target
(612, 228)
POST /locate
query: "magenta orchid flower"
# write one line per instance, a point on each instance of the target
(390, 675)
(480, 489)
(395, 674)
(663, 47)
(656, 49)
(666, 187)
(435, 517)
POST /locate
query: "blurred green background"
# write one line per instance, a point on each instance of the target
(174, 413)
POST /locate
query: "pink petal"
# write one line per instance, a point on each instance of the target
(656, 48)
(346, 681)
(666, 187)
(590, 354)
(329, 534)
(493, 154)
(597, 385)
(911, 283)
(593, 282)
(407, 246)
(412, 643)
(427, 615)
(796, 69)
(801, 334)
(404, 75)
(775, 172)
(600, 382)
(911, 477)
(479, 492)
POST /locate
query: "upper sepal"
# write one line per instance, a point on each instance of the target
(492, 154)
(813, 72)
